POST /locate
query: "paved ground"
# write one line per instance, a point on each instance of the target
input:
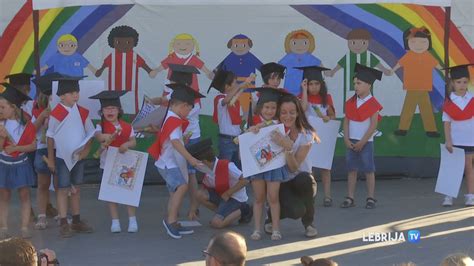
(404, 204)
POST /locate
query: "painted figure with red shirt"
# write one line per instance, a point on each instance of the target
(418, 65)
(123, 63)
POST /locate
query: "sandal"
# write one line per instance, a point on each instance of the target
(276, 235)
(327, 202)
(256, 235)
(370, 203)
(348, 203)
(42, 223)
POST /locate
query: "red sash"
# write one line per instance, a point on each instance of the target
(27, 137)
(222, 177)
(169, 126)
(36, 111)
(365, 111)
(59, 113)
(456, 113)
(257, 119)
(122, 137)
(234, 111)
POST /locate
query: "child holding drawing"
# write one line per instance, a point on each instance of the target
(114, 132)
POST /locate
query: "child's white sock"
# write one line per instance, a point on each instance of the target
(132, 224)
(115, 227)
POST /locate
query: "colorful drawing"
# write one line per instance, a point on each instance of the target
(265, 150)
(299, 46)
(124, 170)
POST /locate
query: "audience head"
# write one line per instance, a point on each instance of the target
(226, 248)
(458, 259)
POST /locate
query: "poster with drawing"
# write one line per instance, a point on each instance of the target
(123, 177)
(321, 155)
(259, 153)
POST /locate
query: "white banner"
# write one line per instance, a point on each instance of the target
(322, 154)
(47, 4)
(451, 171)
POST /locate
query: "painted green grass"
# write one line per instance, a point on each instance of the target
(414, 144)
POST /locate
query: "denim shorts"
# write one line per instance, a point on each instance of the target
(173, 178)
(467, 149)
(40, 166)
(224, 208)
(191, 169)
(363, 160)
(228, 150)
(66, 177)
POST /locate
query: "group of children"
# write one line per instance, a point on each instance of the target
(178, 150)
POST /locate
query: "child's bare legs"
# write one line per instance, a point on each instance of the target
(42, 195)
(193, 203)
(174, 203)
(469, 173)
(202, 197)
(113, 210)
(5, 196)
(326, 177)
(217, 222)
(76, 201)
(351, 183)
(258, 187)
(131, 211)
(273, 190)
(370, 180)
(24, 194)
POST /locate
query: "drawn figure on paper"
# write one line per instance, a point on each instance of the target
(126, 176)
(265, 151)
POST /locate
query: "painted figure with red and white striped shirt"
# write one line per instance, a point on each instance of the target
(123, 63)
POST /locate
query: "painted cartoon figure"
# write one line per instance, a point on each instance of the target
(124, 61)
(126, 175)
(358, 41)
(242, 63)
(184, 50)
(67, 60)
(299, 46)
(418, 65)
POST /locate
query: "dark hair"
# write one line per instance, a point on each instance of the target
(301, 122)
(102, 118)
(174, 101)
(229, 80)
(416, 32)
(359, 34)
(18, 112)
(17, 252)
(229, 43)
(272, 75)
(207, 155)
(123, 31)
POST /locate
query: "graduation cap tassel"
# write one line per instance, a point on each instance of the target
(250, 114)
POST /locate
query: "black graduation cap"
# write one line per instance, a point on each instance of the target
(272, 67)
(367, 74)
(184, 93)
(45, 83)
(270, 95)
(19, 79)
(13, 95)
(182, 73)
(109, 98)
(313, 72)
(200, 147)
(218, 82)
(68, 84)
(461, 71)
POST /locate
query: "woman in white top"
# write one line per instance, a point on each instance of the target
(297, 194)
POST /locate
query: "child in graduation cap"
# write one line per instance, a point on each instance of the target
(17, 137)
(360, 123)
(224, 187)
(40, 117)
(170, 154)
(21, 82)
(75, 118)
(266, 185)
(112, 131)
(317, 102)
(228, 112)
(458, 118)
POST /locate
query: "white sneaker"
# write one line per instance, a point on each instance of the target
(448, 201)
(311, 231)
(115, 228)
(469, 200)
(132, 227)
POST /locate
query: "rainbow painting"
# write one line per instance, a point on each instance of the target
(386, 22)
